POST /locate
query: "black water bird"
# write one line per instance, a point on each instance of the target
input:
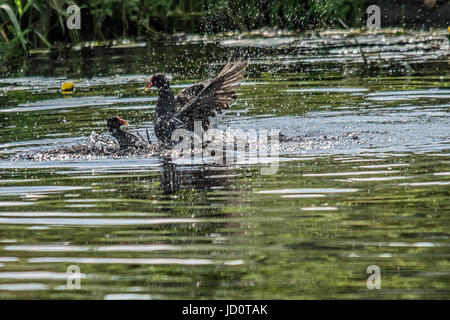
(125, 139)
(199, 102)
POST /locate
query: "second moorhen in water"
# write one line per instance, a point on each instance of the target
(199, 102)
(125, 139)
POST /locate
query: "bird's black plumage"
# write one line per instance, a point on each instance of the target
(199, 102)
(125, 139)
(165, 121)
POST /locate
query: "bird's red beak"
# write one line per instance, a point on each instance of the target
(149, 84)
(123, 122)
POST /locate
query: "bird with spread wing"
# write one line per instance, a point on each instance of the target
(199, 102)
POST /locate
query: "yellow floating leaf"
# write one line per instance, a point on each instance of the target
(67, 86)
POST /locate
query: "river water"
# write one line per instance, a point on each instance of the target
(363, 181)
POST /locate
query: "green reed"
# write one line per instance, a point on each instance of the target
(30, 24)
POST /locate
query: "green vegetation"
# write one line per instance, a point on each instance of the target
(30, 24)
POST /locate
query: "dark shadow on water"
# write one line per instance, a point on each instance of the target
(170, 177)
(175, 177)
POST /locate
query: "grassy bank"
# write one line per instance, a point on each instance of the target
(29, 24)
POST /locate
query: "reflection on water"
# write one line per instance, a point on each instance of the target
(362, 178)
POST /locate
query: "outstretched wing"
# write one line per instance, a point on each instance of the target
(189, 93)
(204, 100)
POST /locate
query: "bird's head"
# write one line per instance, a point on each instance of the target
(115, 122)
(157, 80)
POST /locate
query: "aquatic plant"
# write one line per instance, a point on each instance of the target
(28, 24)
(14, 32)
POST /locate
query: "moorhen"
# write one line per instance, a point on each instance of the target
(125, 139)
(199, 102)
